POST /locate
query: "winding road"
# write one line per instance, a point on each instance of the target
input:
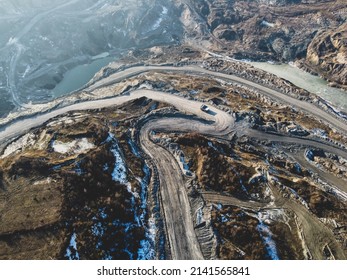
(278, 96)
(182, 238)
(180, 229)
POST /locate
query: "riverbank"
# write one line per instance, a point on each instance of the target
(314, 84)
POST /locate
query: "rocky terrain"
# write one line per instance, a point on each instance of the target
(260, 179)
(75, 190)
(72, 33)
(311, 31)
(327, 55)
(176, 150)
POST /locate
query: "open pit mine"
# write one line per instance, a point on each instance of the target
(180, 151)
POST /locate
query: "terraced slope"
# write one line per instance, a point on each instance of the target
(148, 174)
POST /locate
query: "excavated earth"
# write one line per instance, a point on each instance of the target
(312, 33)
(130, 167)
(155, 177)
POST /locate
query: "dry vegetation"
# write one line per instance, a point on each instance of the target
(46, 196)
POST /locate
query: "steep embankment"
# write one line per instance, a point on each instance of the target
(284, 31)
(327, 55)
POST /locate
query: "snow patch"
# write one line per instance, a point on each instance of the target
(27, 70)
(146, 85)
(309, 155)
(64, 121)
(319, 132)
(71, 251)
(153, 107)
(100, 56)
(147, 245)
(266, 235)
(75, 147)
(119, 173)
(183, 162)
(130, 190)
(147, 251)
(105, 167)
(42, 182)
(267, 24)
(258, 177)
(199, 216)
(78, 169)
(160, 19)
(217, 149)
(271, 215)
(134, 148)
(98, 229)
(19, 145)
(12, 41)
(219, 206)
(224, 218)
(297, 167)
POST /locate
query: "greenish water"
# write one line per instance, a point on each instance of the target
(80, 75)
(77, 77)
(314, 84)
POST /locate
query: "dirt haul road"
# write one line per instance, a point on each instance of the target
(178, 219)
(183, 242)
(276, 95)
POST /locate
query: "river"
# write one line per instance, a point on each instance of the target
(302, 79)
(77, 77)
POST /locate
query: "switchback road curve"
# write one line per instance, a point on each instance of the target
(180, 231)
